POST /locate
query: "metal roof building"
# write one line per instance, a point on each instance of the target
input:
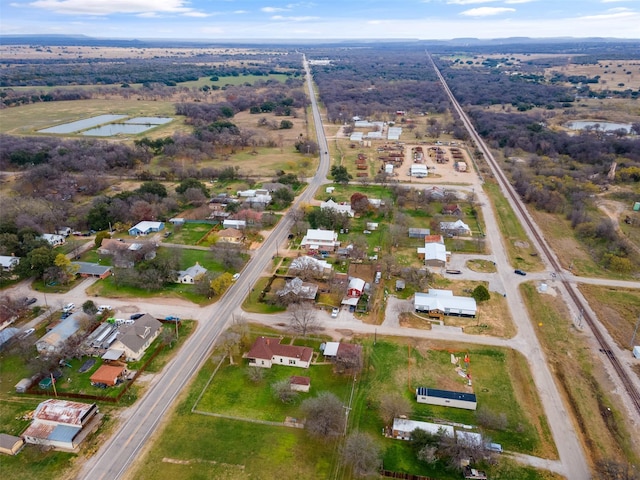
(446, 398)
(446, 302)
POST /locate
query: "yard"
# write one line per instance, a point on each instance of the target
(243, 449)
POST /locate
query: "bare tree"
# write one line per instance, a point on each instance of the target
(282, 391)
(255, 374)
(324, 415)
(393, 405)
(229, 341)
(362, 454)
(302, 318)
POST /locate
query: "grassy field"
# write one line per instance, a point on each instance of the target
(518, 244)
(245, 449)
(190, 233)
(251, 303)
(583, 380)
(618, 309)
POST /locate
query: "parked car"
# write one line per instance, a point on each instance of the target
(28, 332)
(30, 301)
(235, 277)
(334, 313)
(104, 308)
(136, 316)
(68, 308)
(171, 318)
(519, 272)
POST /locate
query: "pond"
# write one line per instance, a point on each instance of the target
(116, 129)
(149, 120)
(606, 126)
(82, 124)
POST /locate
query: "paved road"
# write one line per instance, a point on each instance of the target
(116, 455)
(560, 422)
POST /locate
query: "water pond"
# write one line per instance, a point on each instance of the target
(149, 120)
(606, 126)
(117, 129)
(78, 125)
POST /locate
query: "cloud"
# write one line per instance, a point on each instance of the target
(614, 1)
(108, 7)
(468, 2)
(240, 12)
(281, 18)
(273, 9)
(619, 12)
(196, 14)
(513, 2)
(486, 11)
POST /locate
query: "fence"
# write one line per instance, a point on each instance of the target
(405, 476)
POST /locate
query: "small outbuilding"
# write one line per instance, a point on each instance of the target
(446, 398)
(299, 384)
(107, 375)
(10, 444)
(636, 351)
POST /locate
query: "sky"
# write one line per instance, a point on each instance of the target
(322, 19)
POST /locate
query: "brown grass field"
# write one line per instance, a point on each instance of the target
(612, 73)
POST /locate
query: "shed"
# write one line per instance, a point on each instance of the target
(403, 427)
(10, 444)
(400, 285)
(107, 374)
(24, 384)
(446, 398)
(299, 384)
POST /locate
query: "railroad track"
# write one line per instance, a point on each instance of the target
(628, 384)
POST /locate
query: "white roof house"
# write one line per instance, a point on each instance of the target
(309, 263)
(356, 137)
(338, 207)
(394, 133)
(418, 170)
(435, 254)
(53, 239)
(445, 301)
(458, 227)
(239, 224)
(191, 274)
(146, 227)
(8, 262)
(316, 239)
(403, 427)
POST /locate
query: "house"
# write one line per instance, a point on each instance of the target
(344, 208)
(239, 224)
(317, 239)
(107, 375)
(111, 246)
(455, 228)
(124, 254)
(177, 221)
(435, 192)
(145, 228)
(446, 398)
(10, 444)
(434, 254)
(64, 231)
(306, 263)
(62, 424)
(376, 202)
(451, 209)
(53, 239)
(274, 186)
(299, 384)
(86, 269)
(135, 339)
(191, 274)
(403, 427)
(356, 287)
(299, 289)
(8, 262)
(230, 235)
(444, 302)
(55, 338)
(266, 352)
(418, 232)
(434, 239)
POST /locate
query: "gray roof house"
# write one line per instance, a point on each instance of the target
(135, 339)
(191, 274)
(55, 338)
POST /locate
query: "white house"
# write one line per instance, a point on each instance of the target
(266, 352)
(455, 228)
(338, 207)
(135, 339)
(356, 287)
(444, 301)
(8, 262)
(403, 428)
(53, 239)
(434, 253)
(446, 398)
(316, 239)
(191, 274)
(299, 289)
(145, 228)
(61, 424)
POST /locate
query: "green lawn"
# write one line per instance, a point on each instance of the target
(253, 305)
(190, 233)
(243, 449)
